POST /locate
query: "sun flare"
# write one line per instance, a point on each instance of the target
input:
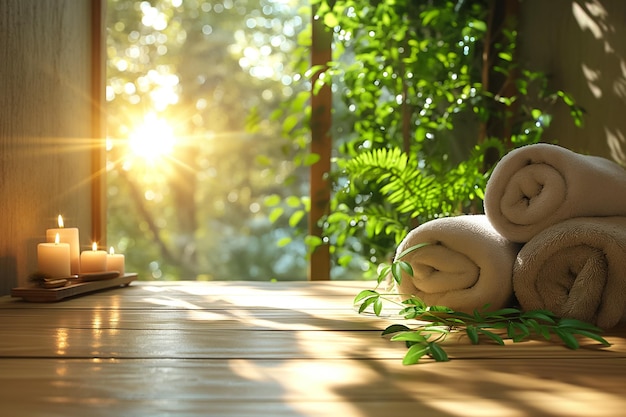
(153, 139)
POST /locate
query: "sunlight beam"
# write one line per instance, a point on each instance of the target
(152, 140)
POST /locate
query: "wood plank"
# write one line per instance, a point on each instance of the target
(204, 342)
(219, 325)
(255, 349)
(19, 320)
(200, 343)
(48, 295)
(198, 295)
(371, 388)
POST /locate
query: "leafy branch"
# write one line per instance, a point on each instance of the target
(438, 322)
(398, 175)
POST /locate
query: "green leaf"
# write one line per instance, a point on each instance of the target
(411, 249)
(437, 353)
(501, 313)
(577, 324)
(477, 316)
(289, 123)
(593, 336)
(275, 214)
(272, 200)
(472, 333)
(383, 273)
(542, 315)
(414, 354)
(568, 338)
(506, 56)
(415, 301)
(330, 20)
(378, 306)
(365, 294)
(406, 267)
(436, 329)
(430, 16)
(478, 25)
(295, 218)
(313, 70)
(293, 201)
(313, 241)
(263, 160)
(567, 99)
(396, 272)
(496, 338)
(463, 316)
(411, 336)
(517, 331)
(409, 313)
(395, 328)
(368, 302)
(344, 260)
(284, 242)
(311, 159)
(536, 113)
(538, 328)
(441, 309)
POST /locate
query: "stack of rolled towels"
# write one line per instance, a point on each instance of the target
(553, 237)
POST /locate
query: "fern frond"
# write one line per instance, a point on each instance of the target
(401, 181)
(381, 220)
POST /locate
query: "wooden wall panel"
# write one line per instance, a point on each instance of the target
(581, 45)
(45, 127)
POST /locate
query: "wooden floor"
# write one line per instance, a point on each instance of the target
(275, 349)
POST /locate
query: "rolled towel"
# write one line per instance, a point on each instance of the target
(576, 269)
(536, 186)
(466, 266)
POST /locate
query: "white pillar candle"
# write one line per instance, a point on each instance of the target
(93, 260)
(53, 259)
(115, 262)
(70, 236)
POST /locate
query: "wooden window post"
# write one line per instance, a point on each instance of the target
(98, 82)
(321, 144)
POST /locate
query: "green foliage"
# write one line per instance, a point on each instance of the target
(215, 71)
(409, 104)
(438, 322)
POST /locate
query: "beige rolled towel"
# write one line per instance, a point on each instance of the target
(466, 266)
(536, 186)
(576, 269)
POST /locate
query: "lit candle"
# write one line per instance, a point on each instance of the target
(115, 262)
(53, 259)
(70, 236)
(93, 260)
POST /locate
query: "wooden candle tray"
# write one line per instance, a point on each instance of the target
(47, 295)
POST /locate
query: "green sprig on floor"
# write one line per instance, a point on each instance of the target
(436, 323)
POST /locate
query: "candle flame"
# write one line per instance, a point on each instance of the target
(94, 246)
(112, 251)
(60, 220)
(57, 239)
